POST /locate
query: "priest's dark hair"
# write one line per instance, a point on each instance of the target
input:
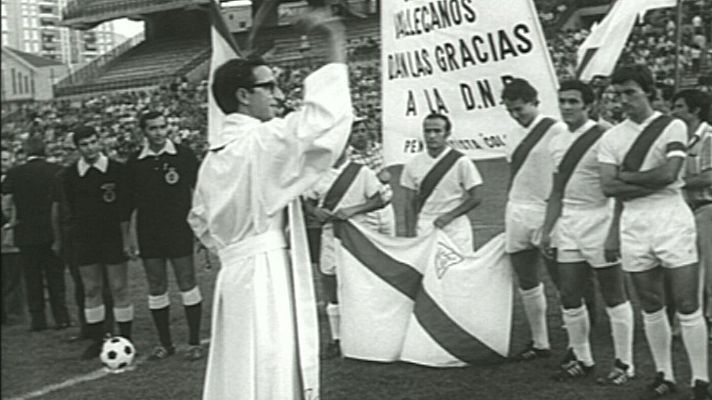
(234, 74)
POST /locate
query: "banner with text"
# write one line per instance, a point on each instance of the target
(453, 57)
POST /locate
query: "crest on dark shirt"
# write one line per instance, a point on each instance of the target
(172, 177)
(109, 195)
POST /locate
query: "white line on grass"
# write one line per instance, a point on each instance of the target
(100, 373)
(91, 376)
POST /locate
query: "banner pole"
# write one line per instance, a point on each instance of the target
(678, 45)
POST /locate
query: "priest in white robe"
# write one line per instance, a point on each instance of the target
(265, 338)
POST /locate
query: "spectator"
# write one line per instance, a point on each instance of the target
(28, 187)
(12, 292)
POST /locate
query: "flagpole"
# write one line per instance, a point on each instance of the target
(678, 45)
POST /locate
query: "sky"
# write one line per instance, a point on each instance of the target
(127, 28)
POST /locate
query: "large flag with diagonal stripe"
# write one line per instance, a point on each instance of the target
(224, 48)
(463, 312)
(599, 53)
(421, 300)
(379, 278)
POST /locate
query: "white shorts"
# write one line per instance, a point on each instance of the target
(522, 225)
(662, 235)
(581, 235)
(459, 230)
(382, 220)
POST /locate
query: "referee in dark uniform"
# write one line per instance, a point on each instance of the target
(162, 177)
(62, 224)
(98, 202)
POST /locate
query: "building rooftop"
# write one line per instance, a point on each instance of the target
(34, 60)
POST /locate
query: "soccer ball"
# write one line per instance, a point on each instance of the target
(117, 353)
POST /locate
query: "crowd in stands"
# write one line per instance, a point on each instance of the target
(652, 43)
(184, 103)
(363, 48)
(115, 117)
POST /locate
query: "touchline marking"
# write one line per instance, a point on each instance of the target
(91, 376)
(100, 373)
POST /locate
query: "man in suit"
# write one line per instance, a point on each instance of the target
(28, 188)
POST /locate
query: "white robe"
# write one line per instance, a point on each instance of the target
(265, 338)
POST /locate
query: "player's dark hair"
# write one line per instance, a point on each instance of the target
(443, 117)
(697, 102)
(365, 123)
(147, 116)
(34, 146)
(234, 74)
(520, 89)
(637, 73)
(586, 92)
(82, 132)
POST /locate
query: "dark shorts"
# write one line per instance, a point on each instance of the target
(165, 242)
(105, 252)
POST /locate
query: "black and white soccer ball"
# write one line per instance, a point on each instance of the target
(117, 353)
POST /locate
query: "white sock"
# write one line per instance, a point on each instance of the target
(621, 319)
(657, 332)
(124, 314)
(694, 336)
(563, 326)
(535, 308)
(95, 315)
(191, 297)
(332, 311)
(579, 327)
(158, 302)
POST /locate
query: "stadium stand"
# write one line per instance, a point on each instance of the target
(91, 12)
(150, 63)
(151, 72)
